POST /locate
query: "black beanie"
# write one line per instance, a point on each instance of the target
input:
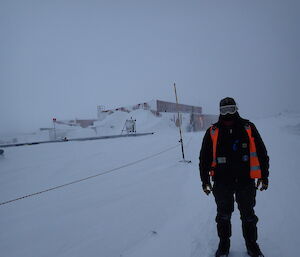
(227, 101)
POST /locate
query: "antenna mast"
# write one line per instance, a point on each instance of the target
(179, 118)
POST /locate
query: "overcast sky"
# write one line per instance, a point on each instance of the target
(62, 58)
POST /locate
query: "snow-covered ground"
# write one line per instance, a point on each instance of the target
(151, 208)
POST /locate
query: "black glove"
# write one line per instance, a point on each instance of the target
(263, 183)
(207, 188)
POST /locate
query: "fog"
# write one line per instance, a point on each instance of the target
(63, 58)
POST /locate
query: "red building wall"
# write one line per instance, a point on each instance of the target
(163, 106)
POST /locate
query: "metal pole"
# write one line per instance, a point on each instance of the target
(179, 120)
(54, 121)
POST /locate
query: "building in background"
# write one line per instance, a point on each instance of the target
(198, 120)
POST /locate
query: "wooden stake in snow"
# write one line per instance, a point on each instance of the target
(179, 118)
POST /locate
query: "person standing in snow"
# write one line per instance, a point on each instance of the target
(235, 157)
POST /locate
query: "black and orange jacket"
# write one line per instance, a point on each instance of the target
(232, 152)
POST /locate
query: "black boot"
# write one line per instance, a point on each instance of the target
(223, 249)
(253, 249)
(224, 233)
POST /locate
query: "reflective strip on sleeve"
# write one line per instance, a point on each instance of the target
(255, 168)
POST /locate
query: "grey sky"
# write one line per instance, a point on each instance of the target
(63, 58)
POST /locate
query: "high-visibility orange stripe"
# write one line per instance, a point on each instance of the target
(255, 171)
(214, 133)
(254, 161)
(255, 174)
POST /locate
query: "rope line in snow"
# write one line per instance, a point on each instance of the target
(90, 177)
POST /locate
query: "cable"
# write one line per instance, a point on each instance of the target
(90, 177)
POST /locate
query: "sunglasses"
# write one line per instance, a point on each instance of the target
(228, 109)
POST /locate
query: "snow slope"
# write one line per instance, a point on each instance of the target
(113, 124)
(152, 208)
(145, 122)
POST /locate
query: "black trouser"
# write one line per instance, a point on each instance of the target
(245, 198)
